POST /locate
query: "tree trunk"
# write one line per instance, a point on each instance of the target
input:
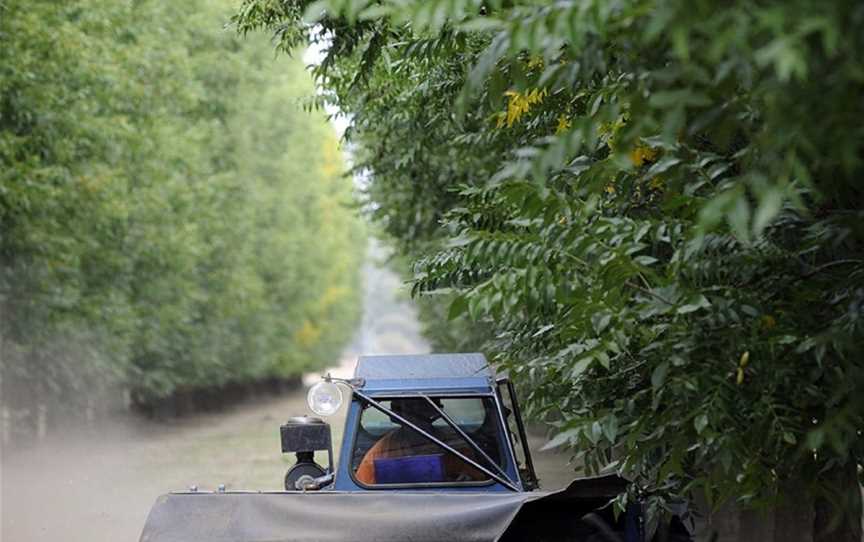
(838, 510)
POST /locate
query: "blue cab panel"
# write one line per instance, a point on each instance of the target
(424, 366)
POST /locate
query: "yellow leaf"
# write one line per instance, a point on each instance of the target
(500, 119)
(642, 154)
(535, 62)
(563, 124)
(518, 104)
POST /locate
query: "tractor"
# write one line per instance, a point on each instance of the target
(433, 449)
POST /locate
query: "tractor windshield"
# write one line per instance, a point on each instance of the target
(388, 451)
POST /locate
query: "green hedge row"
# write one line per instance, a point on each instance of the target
(170, 218)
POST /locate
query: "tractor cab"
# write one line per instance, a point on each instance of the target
(418, 423)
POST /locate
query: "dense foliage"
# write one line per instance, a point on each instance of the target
(170, 218)
(653, 208)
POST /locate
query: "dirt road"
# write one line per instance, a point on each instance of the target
(100, 484)
(97, 484)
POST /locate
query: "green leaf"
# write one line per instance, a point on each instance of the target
(610, 428)
(580, 367)
(699, 302)
(700, 422)
(739, 218)
(543, 330)
(603, 358)
(769, 204)
(560, 439)
(458, 307)
(658, 376)
(484, 24)
(787, 57)
(600, 321)
(815, 438)
(645, 260)
(595, 433)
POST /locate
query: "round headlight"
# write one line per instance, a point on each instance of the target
(324, 398)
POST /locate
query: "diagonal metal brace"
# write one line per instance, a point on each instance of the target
(378, 406)
(468, 440)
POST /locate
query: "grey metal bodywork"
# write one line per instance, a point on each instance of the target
(376, 516)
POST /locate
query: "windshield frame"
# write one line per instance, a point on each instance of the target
(502, 438)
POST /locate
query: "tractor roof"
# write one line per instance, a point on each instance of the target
(400, 373)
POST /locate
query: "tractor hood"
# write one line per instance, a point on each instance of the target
(381, 516)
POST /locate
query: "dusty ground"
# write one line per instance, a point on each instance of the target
(99, 487)
(97, 484)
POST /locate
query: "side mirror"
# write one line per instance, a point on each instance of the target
(304, 436)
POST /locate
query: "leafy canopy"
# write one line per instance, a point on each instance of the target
(650, 209)
(169, 218)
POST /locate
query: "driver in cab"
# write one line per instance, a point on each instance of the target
(423, 460)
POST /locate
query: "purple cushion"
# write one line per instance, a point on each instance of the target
(409, 469)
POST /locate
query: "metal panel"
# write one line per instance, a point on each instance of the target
(393, 516)
(425, 366)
